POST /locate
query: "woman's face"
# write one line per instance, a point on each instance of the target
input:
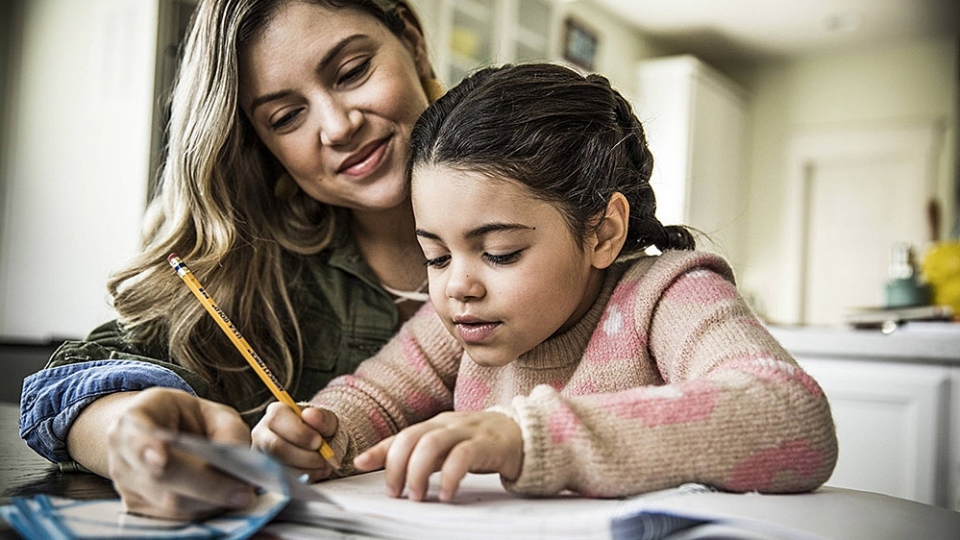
(334, 95)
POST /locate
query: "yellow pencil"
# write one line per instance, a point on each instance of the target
(244, 347)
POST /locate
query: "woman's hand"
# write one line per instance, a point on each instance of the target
(155, 479)
(295, 440)
(453, 443)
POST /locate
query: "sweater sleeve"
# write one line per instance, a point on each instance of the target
(733, 410)
(411, 379)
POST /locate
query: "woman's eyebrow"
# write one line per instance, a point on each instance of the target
(321, 66)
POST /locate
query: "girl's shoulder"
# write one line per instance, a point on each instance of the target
(659, 271)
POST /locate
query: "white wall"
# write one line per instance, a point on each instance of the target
(899, 84)
(76, 169)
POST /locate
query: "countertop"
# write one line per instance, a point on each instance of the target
(926, 342)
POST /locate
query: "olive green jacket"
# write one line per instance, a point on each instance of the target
(345, 317)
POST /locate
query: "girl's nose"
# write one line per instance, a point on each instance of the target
(338, 123)
(463, 285)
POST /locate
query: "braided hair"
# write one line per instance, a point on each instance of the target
(572, 140)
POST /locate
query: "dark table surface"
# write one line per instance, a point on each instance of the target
(23, 472)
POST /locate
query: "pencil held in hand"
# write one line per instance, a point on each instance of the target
(244, 347)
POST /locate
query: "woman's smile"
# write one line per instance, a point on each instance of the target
(366, 160)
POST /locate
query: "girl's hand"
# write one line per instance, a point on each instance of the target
(453, 443)
(295, 440)
(154, 479)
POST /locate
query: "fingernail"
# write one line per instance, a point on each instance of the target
(153, 458)
(303, 478)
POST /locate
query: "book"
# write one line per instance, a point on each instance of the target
(483, 509)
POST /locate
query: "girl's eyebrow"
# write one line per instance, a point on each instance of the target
(481, 230)
(321, 66)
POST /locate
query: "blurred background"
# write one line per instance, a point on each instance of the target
(804, 138)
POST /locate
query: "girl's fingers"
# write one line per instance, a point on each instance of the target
(374, 457)
(398, 456)
(455, 467)
(428, 455)
(322, 421)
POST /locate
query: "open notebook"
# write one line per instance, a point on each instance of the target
(357, 507)
(483, 510)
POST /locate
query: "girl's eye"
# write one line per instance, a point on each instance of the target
(355, 72)
(438, 262)
(503, 259)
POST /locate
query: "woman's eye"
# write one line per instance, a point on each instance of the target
(503, 259)
(438, 262)
(356, 72)
(284, 120)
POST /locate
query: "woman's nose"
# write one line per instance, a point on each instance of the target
(338, 123)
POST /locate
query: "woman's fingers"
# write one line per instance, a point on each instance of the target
(154, 479)
(223, 424)
(191, 488)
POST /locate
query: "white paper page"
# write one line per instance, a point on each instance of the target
(482, 509)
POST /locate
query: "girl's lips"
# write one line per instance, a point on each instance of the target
(476, 332)
(366, 160)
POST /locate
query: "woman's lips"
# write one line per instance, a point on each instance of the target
(476, 332)
(366, 160)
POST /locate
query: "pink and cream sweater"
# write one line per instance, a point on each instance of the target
(669, 378)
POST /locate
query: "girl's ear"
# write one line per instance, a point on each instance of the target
(612, 232)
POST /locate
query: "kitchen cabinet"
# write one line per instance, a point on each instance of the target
(695, 121)
(465, 35)
(896, 404)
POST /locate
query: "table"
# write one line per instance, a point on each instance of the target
(24, 472)
(846, 514)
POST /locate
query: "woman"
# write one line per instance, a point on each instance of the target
(284, 191)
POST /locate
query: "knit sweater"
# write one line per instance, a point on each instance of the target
(669, 378)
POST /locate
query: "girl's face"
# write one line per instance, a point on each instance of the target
(505, 271)
(334, 95)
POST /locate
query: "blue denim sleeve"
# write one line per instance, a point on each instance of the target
(53, 398)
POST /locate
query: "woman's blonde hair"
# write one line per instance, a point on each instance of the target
(218, 208)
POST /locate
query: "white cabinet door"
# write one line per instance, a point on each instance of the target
(891, 424)
(695, 121)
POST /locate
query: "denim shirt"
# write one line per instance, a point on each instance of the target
(345, 318)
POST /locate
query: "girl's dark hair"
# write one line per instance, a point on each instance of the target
(572, 140)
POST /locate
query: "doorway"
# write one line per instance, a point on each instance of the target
(854, 194)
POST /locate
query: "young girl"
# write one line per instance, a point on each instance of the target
(571, 359)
